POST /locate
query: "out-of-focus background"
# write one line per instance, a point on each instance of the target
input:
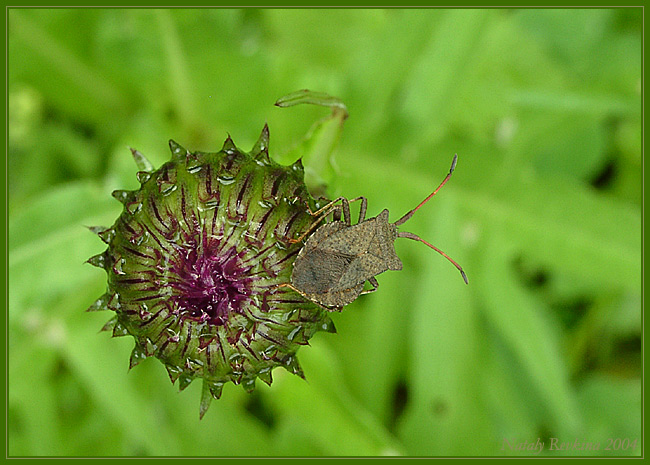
(543, 108)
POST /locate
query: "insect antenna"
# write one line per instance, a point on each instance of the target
(409, 235)
(408, 216)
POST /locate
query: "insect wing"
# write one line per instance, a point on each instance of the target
(340, 298)
(318, 272)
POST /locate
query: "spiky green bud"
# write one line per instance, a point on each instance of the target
(194, 264)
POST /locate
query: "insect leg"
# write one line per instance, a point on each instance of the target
(329, 208)
(362, 208)
(324, 307)
(290, 286)
(311, 228)
(373, 282)
(346, 212)
(346, 209)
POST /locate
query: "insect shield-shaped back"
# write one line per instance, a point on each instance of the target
(338, 258)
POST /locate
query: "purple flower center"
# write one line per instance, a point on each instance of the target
(210, 284)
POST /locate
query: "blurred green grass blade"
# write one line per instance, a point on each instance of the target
(80, 81)
(324, 407)
(33, 400)
(567, 229)
(612, 316)
(385, 325)
(528, 334)
(67, 146)
(514, 413)
(384, 62)
(48, 243)
(568, 35)
(53, 266)
(428, 102)
(109, 381)
(179, 79)
(442, 416)
(612, 409)
(292, 439)
(67, 205)
(577, 150)
(573, 103)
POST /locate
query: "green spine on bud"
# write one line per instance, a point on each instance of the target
(194, 264)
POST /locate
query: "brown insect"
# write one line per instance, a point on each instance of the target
(338, 258)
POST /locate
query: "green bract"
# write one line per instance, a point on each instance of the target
(194, 262)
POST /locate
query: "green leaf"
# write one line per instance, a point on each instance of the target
(317, 148)
(49, 243)
(527, 332)
(75, 84)
(349, 429)
(444, 358)
(312, 98)
(33, 402)
(375, 384)
(447, 54)
(613, 410)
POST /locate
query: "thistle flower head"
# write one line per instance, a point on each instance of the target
(194, 264)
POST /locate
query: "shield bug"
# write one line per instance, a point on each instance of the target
(338, 258)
